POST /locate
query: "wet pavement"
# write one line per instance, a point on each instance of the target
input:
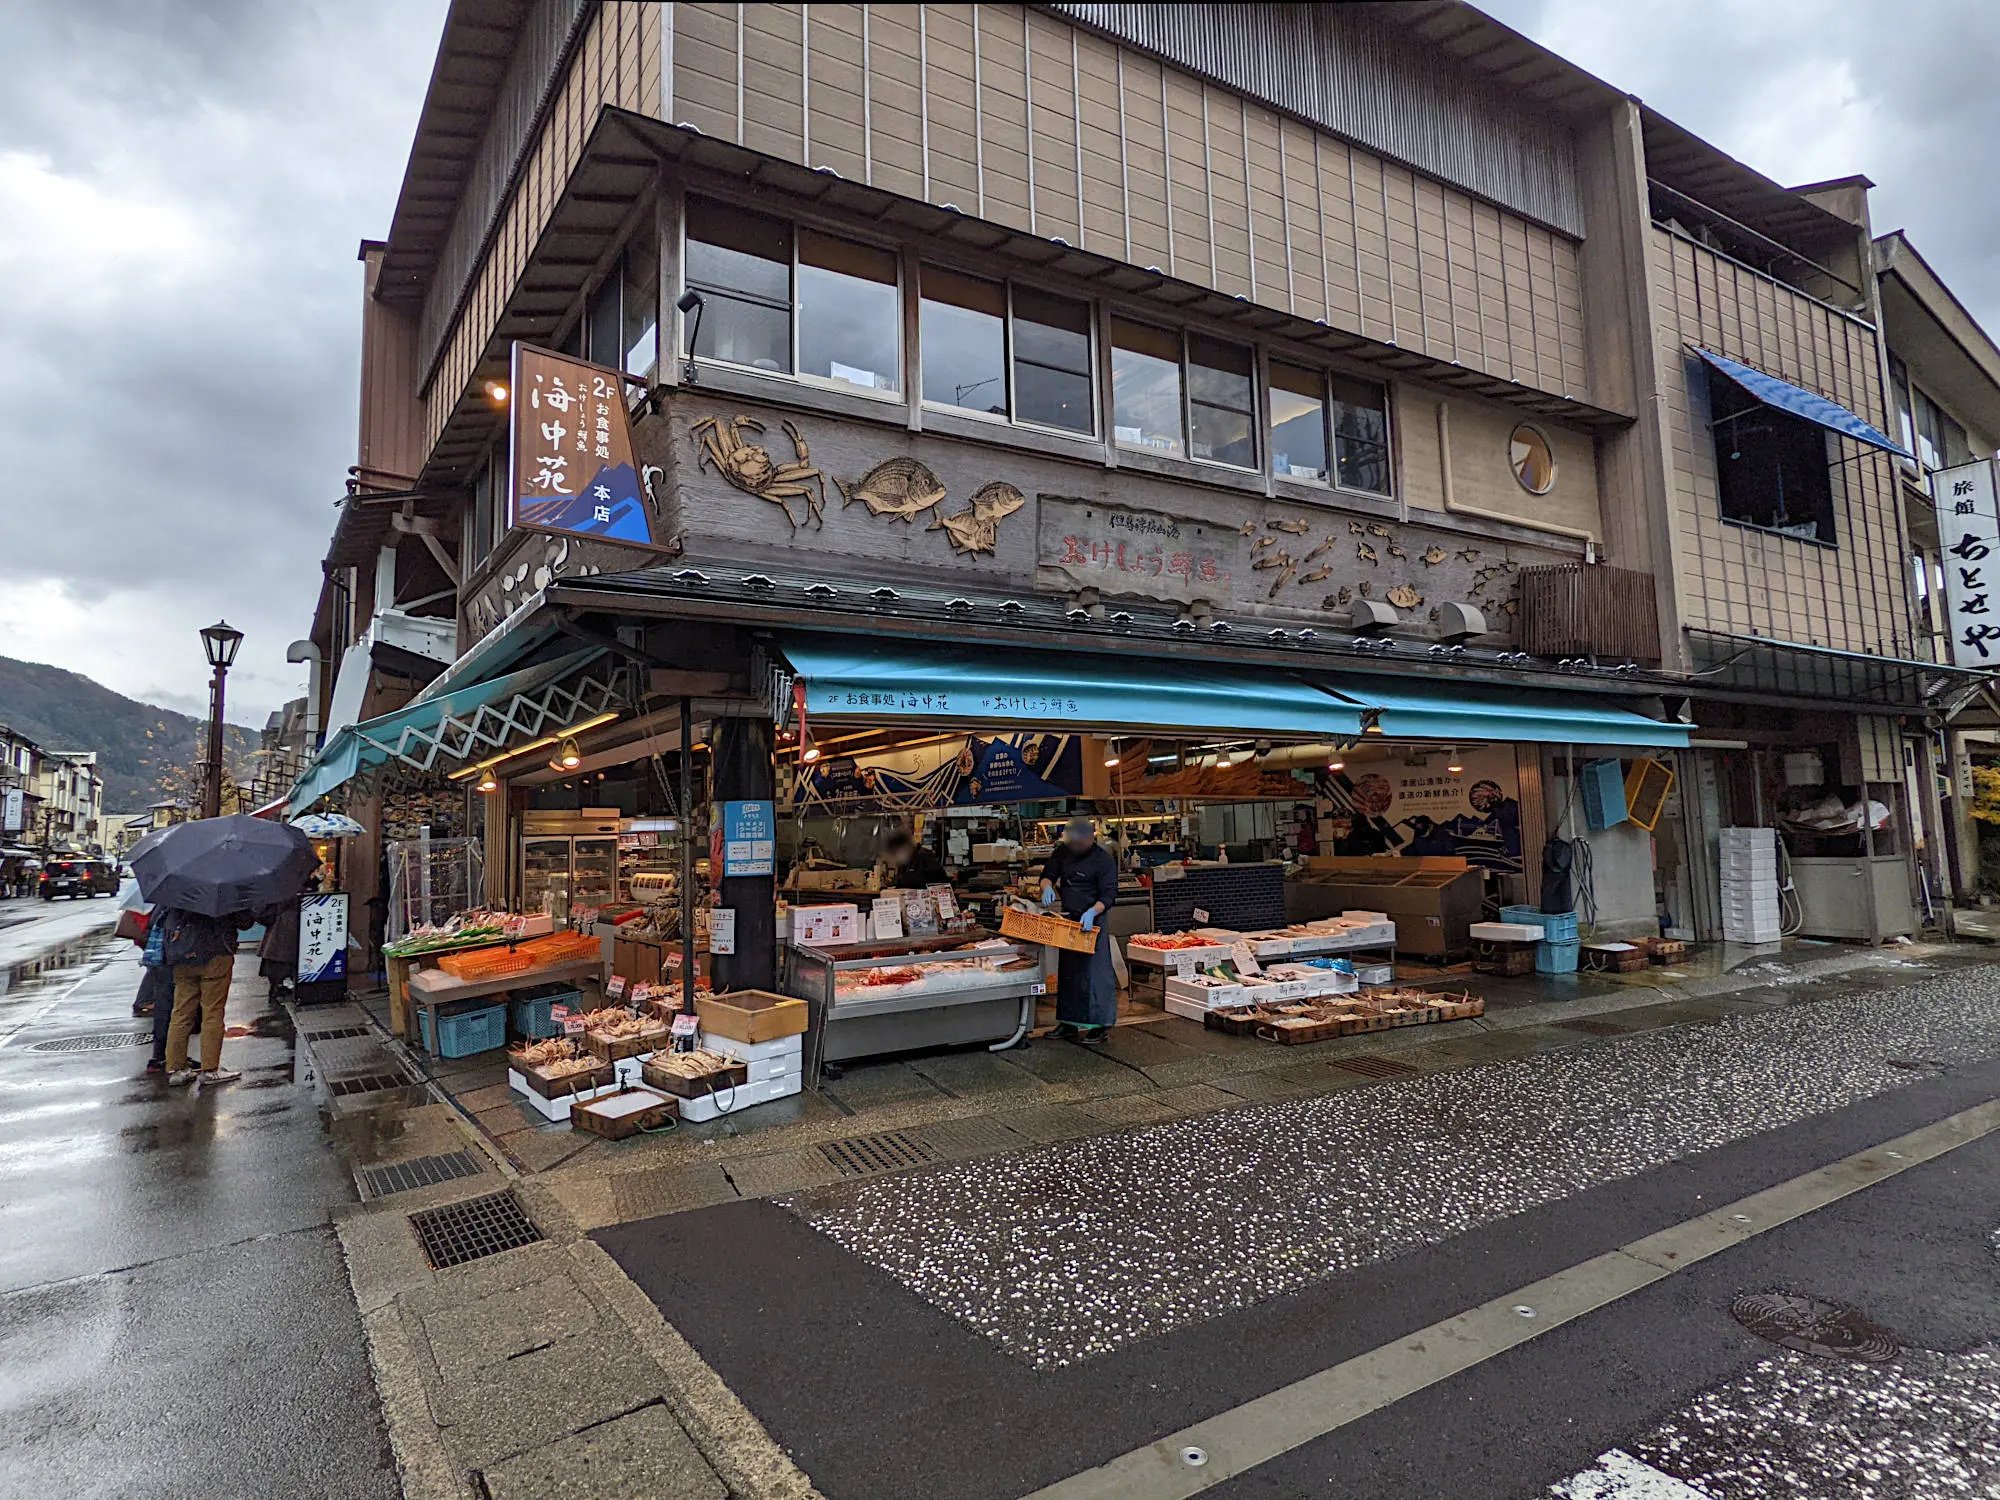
(175, 1316)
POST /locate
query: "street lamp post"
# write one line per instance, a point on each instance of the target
(219, 641)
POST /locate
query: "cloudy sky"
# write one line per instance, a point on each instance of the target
(183, 184)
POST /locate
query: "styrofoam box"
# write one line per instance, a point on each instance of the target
(553, 1109)
(1505, 932)
(1373, 918)
(1192, 1010)
(1163, 958)
(1216, 996)
(785, 1046)
(743, 1096)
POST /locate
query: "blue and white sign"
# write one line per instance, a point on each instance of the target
(322, 937)
(749, 838)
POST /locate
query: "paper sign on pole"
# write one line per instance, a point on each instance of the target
(722, 930)
(749, 838)
(1968, 522)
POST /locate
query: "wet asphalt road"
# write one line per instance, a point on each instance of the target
(175, 1318)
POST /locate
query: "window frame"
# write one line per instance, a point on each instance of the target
(1006, 285)
(1830, 542)
(898, 396)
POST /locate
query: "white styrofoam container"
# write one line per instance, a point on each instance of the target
(785, 1046)
(1506, 932)
(743, 1096)
(1373, 918)
(552, 1109)
(1192, 1010)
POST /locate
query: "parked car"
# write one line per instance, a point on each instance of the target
(78, 877)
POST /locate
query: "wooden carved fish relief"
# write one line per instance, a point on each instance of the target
(1365, 552)
(1318, 575)
(1273, 560)
(1434, 555)
(1281, 580)
(1395, 551)
(1262, 542)
(1355, 528)
(900, 488)
(997, 500)
(1248, 528)
(1404, 597)
(1326, 546)
(1376, 528)
(1290, 528)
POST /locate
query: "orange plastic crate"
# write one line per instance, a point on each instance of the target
(486, 963)
(561, 947)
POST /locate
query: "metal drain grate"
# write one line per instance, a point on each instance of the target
(860, 1155)
(473, 1230)
(1596, 1028)
(368, 1083)
(1812, 1325)
(96, 1042)
(407, 1176)
(1376, 1067)
(333, 1035)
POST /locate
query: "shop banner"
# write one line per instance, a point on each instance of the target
(1026, 767)
(1387, 807)
(322, 938)
(1968, 522)
(571, 464)
(12, 801)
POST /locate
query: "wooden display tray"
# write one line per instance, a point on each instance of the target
(1490, 957)
(1665, 950)
(569, 1083)
(1601, 960)
(1445, 1010)
(1237, 1021)
(655, 1077)
(589, 1115)
(613, 1048)
(751, 1015)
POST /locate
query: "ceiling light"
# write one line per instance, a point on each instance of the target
(1336, 764)
(1111, 754)
(811, 755)
(1452, 764)
(488, 782)
(571, 756)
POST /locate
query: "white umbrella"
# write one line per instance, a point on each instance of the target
(328, 826)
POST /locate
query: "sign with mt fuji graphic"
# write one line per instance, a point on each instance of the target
(572, 465)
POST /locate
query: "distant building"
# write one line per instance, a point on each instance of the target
(20, 787)
(72, 811)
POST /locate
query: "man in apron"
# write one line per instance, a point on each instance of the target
(1082, 876)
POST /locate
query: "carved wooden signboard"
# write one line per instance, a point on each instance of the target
(572, 466)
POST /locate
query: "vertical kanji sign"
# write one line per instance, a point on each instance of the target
(1968, 520)
(572, 463)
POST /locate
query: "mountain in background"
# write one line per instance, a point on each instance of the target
(137, 744)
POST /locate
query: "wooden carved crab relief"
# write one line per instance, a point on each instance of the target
(977, 529)
(751, 469)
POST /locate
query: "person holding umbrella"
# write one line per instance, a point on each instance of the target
(204, 880)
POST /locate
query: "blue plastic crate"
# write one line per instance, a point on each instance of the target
(1556, 958)
(530, 1012)
(462, 1033)
(1603, 785)
(1557, 926)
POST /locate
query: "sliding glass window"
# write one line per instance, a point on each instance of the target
(850, 313)
(1361, 435)
(1222, 402)
(962, 342)
(1146, 388)
(741, 264)
(1298, 423)
(1052, 361)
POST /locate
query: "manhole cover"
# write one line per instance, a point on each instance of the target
(861, 1155)
(1812, 1325)
(407, 1176)
(368, 1083)
(473, 1230)
(1595, 1028)
(96, 1042)
(1375, 1067)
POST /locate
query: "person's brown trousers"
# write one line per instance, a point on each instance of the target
(205, 986)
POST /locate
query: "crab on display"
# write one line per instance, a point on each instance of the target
(751, 469)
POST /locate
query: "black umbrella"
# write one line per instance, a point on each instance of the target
(223, 865)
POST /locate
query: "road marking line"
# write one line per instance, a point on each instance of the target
(1238, 1440)
(31, 1020)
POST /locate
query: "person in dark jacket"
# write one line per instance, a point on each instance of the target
(278, 949)
(912, 866)
(201, 950)
(1082, 876)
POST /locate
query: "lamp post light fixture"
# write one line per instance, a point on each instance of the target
(219, 641)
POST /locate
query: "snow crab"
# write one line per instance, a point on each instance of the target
(751, 469)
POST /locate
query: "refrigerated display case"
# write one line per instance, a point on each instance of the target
(577, 871)
(865, 999)
(593, 864)
(545, 874)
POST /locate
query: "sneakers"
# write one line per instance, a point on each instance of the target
(1064, 1032)
(181, 1077)
(219, 1075)
(154, 1065)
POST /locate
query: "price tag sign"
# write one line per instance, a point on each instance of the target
(572, 1025)
(558, 1012)
(1183, 961)
(1243, 958)
(686, 1025)
(1201, 916)
(885, 919)
(722, 930)
(615, 987)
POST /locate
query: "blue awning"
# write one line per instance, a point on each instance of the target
(1413, 709)
(1800, 402)
(457, 726)
(851, 678)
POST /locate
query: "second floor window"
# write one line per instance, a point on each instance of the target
(1771, 468)
(741, 263)
(1146, 391)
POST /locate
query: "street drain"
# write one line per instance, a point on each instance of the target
(861, 1155)
(96, 1042)
(1376, 1067)
(423, 1171)
(473, 1230)
(1596, 1028)
(334, 1035)
(1812, 1325)
(367, 1083)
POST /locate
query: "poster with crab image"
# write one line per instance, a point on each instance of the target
(572, 464)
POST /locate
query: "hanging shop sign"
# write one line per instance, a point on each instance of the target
(1968, 520)
(572, 466)
(322, 937)
(749, 838)
(12, 803)
(1025, 767)
(1388, 807)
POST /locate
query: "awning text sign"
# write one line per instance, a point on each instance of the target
(573, 468)
(1968, 520)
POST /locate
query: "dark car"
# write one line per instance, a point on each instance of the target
(78, 877)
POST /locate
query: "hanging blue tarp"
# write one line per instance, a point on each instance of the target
(1799, 402)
